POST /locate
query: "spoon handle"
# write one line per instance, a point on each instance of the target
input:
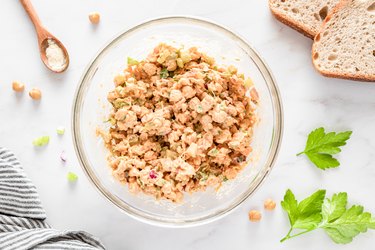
(34, 19)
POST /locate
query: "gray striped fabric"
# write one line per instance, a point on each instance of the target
(22, 216)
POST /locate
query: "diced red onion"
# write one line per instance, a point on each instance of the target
(63, 156)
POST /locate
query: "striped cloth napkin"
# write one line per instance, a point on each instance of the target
(22, 216)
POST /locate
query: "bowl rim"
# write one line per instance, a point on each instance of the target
(273, 150)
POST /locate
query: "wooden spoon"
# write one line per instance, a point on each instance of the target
(46, 39)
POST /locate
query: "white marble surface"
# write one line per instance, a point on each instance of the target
(310, 100)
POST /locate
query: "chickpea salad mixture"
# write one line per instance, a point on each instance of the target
(179, 123)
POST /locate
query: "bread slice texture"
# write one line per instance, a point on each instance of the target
(305, 16)
(345, 46)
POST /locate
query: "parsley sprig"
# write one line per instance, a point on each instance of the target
(332, 215)
(321, 146)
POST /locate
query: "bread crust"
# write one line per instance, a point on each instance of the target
(349, 76)
(364, 78)
(294, 25)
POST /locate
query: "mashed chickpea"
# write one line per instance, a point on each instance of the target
(180, 123)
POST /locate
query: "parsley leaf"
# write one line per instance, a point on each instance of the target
(335, 207)
(352, 222)
(331, 215)
(307, 213)
(321, 146)
(289, 204)
(164, 73)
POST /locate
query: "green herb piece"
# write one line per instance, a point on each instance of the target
(160, 182)
(60, 130)
(132, 61)
(321, 146)
(164, 73)
(119, 89)
(140, 182)
(72, 177)
(119, 103)
(207, 77)
(222, 106)
(199, 109)
(41, 141)
(213, 152)
(202, 176)
(111, 120)
(331, 215)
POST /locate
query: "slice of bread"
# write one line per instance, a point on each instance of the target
(345, 46)
(305, 16)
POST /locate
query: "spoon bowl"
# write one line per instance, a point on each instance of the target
(43, 45)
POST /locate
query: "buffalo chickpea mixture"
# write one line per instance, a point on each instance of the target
(180, 123)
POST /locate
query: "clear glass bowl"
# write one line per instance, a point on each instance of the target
(91, 108)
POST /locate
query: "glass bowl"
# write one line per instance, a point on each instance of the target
(91, 108)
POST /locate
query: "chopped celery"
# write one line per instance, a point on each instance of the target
(41, 141)
(132, 61)
(60, 130)
(72, 177)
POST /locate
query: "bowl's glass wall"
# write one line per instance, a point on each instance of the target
(91, 109)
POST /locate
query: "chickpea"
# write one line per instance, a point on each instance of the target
(94, 17)
(119, 80)
(269, 204)
(254, 95)
(18, 86)
(230, 173)
(35, 94)
(232, 69)
(255, 215)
